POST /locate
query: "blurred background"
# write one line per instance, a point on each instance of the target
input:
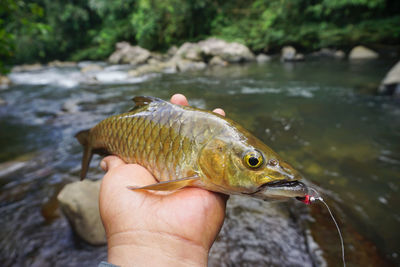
(315, 80)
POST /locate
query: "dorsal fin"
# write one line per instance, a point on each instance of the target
(144, 100)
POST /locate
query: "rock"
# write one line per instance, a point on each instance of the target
(288, 53)
(50, 208)
(340, 54)
(146, 69)
(361, 52)
(217, 61)
(187, 65)
(79, 203)
(190, 51)
(3, 102)
(91, 68)
(70, 106)
(324, 52)
(127, 54)
(255, 232)
(153, 61)
(27, 67)
(172, 51)
(170, 66)
(218, 52)
(262, 58)
(5, 82)
(156, 56)
(299, 57)
(230, 52)
(57, 63)
(328, 52)
(391, 83)
(155, 66)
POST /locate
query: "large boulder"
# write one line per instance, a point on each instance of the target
(212, 47)
(190, 51)
(361, 52)
(188, 65)
(79, 202)
(127, 54)
(230, 52)
(391, 83)
(217, 61)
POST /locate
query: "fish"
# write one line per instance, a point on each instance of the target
(184, 146)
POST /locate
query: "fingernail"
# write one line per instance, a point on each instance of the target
(103, 165)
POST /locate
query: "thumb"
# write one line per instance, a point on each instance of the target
(111, 162)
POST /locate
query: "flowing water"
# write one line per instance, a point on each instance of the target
(322, 116)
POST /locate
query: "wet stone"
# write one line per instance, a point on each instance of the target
(79, 203)
(257, 233)
(262, 58)
(362, 52)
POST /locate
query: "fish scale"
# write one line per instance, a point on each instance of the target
(184, 146)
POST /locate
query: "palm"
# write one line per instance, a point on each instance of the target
(191, 214)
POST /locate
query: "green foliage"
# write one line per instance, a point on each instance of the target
(161, 23)
(18, 20)
(308, 24)
(43, 30)
(114, 26)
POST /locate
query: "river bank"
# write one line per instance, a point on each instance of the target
(137, 62)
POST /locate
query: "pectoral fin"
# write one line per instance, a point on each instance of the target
(170, 185)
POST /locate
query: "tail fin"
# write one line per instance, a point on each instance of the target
(83, 138)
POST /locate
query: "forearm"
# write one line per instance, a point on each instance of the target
(145, 248)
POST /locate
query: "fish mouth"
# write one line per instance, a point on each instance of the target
(282, 183)
(281, 189)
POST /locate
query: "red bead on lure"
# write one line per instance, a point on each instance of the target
(305, 199)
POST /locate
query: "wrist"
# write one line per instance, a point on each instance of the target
(148, 248)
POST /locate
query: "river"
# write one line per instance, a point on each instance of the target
(322, 116)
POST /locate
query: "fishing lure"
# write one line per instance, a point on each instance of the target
(309, 199)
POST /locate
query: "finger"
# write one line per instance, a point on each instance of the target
(179, 99)
(111, 162)
(130, 175)
(219, 111)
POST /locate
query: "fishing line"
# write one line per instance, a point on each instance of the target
(337, 227)
(310, 199)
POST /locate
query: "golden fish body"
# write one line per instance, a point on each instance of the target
(184, 146)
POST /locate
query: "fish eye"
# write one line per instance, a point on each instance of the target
(253, 159)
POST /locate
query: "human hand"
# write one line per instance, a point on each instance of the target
(148, 228)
